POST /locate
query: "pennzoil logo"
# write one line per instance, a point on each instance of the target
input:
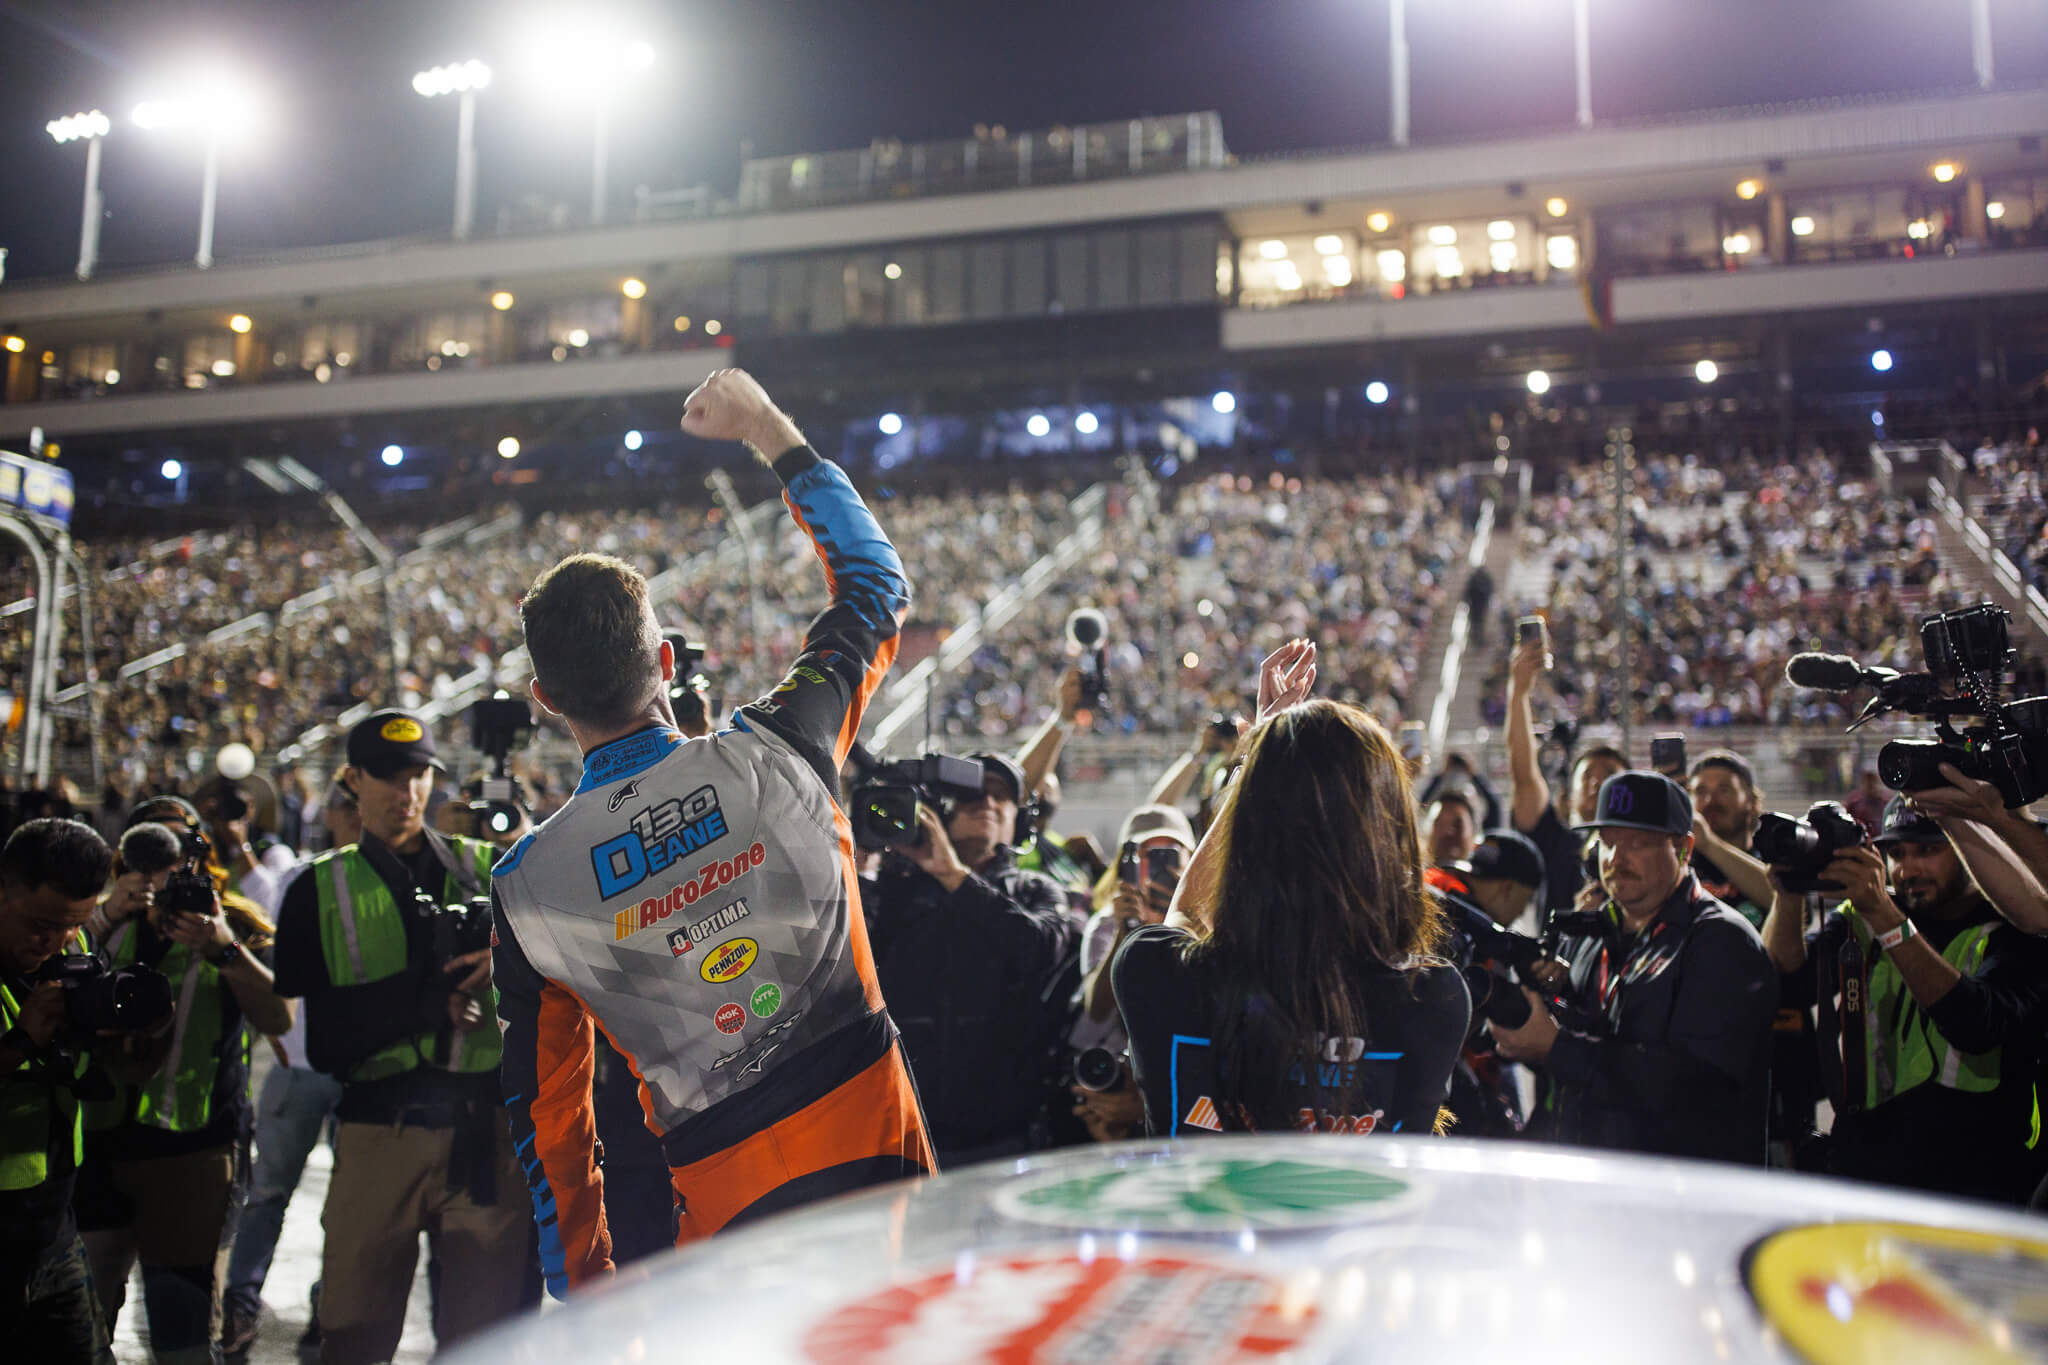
(730, 961)
(402, 730)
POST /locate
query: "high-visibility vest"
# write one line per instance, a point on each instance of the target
(39, 1121)
(362, 937)
(1903, 1045)
(179, 1097)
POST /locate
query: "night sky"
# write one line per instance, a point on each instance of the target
(351, 153)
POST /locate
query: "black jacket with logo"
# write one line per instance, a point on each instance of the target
(1680, 1064)
(979, 983)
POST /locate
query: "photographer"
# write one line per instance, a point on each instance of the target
(2005, 852)
(977, 960)
(168, 1160)
(1669, 1048)
(1948, 1047)
(1551, 827)
(401, 1013)
(1726, 805)
(1498, 883)
(1158, 841)
(766, 1060)
(1290, 989)
(51, 872)
(1451, 826)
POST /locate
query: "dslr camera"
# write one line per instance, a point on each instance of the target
(99, 998)
(1967, 654)
(886, 795)
(1797, 850)
(455, 929)
(690, 694)
(189, 890)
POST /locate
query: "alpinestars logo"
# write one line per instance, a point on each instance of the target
(623, 795)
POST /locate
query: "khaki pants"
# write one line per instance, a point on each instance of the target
(390, 1184)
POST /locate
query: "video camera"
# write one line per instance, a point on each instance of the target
(496, 726)
(1796, 850)
(689, 695)
(1968, 650)
(886, 795)
(1476, 941)
(1087, 629)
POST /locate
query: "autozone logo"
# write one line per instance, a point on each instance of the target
(663, 834)
(730, 961)
(706, 882)
(683, 940)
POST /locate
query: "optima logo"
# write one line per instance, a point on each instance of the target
(683, 940)
(707, 881)
(730, 961)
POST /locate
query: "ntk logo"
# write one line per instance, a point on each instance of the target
(658, 836)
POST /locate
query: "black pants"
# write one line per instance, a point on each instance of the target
(56, 1318)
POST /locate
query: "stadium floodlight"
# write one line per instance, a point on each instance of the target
(1273, 249)
(1748, 189)
(240, 324)
(1224, 402)
(1995, 210)
(393, 456)
(1376, 393)
(1379, 222)
(1556, 207)
(503, 300)
(172, 470)
(584, 61)
(633, 440)
(215, 106)
(1944, 171)
(634, 288)
(1038, 424)
(1538, 382)
(88, 128)
(1706, 372)
(1086, 423)
(890, 424)
(1880, 360)
(508, 449)
(1397, 64)
(1802, 226)
(463, 79)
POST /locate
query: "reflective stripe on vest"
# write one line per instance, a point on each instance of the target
(35, 1116)
(1904, 1047)
(179, 1097)
(362, 937)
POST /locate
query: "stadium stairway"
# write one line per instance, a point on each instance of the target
(1982, 569)
(1452, 671)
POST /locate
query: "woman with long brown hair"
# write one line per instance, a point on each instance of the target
(1293, 989)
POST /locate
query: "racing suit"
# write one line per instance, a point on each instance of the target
(697, 900)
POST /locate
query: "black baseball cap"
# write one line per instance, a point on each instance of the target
(155, 809)
(1904, 825)
(388, 741)
(1508, 856)
(999, 765)
(1641, 800)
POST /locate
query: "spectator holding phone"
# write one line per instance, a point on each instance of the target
(1292, 987)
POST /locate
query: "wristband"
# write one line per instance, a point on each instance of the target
(1892, 938)
(222, 958)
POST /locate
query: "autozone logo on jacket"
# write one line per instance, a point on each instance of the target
(707, 879)
(658, 836)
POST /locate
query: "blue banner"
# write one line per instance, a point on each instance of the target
(36, 487)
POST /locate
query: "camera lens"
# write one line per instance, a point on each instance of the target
(1913, 765)
(1782, 840)
(1097, 1069)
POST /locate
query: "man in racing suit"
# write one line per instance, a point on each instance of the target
(697, 899)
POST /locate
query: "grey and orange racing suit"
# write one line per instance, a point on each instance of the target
(697, 900)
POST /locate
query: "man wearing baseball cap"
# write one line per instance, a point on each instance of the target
(423, 1144)
(977, 960)
(1666, 1044)
(1936, 1083)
